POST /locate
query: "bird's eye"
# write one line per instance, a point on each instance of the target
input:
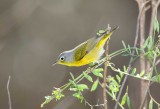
(62, 58)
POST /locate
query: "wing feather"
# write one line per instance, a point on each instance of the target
(84, 48)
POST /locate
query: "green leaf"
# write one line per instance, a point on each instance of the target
(151, 104)
(95, 85)
(101, 31)
(156, 25)
(156, 78)
(128, 102)
(124, 45)
(142, 73)
(97, 72)
(82, 87)
(57, 94)
(113, 88)
(98, 34)
(115, 83)
(150, 43)
(118, 78)
(78, 96)
(134, 71)
(124, 68)
(72, 89)
(47, 100)
(88, 77)
(72, 76)
(129, 49)
(124, 99)
(146, 42)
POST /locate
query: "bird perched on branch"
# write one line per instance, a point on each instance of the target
(86, 52)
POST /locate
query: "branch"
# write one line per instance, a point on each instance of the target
(90, 105)
(105, 73)
(133, 52)
(8, 92)
(154, 4)
(145, 94)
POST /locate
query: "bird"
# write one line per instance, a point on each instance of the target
(87, 52)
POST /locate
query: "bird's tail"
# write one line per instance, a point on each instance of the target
(106, 35)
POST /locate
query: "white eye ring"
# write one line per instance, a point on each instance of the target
(62, 58)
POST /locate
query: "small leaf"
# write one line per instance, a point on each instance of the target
(128, 102)
(78, 96)
(101, 31)
(129, 49)
(72, 76)
(88, 77)
(124, 45)
(73, 89)
(134, 71)
(150, 43)
(124, 68)
(142, 73)
(118, 78)
(94, 86)
(98, 34)
(151, 104)
(146, 43)
(156, 78)
(115, 83)
(47, 100)
(156, 25)
(97, 72)
(82, 87)
(113, 88)
(124, 99)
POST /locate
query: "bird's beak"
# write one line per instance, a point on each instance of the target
(55, 63)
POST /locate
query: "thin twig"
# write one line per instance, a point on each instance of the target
(157, 62)
(105, 73)
(91, 105)
(8, 92)
(154, 4)
(153, 98)
(102, 85)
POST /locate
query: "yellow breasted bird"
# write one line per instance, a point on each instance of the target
(87, 52)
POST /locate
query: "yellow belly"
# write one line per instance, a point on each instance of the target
(92, 56)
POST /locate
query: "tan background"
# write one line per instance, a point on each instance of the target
(34, 32)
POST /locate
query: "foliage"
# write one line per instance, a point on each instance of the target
(94, 74)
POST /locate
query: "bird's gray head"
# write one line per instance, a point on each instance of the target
(65, 57)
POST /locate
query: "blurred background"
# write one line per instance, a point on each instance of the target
(34, 32)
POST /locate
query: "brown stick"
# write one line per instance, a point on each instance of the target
(105, 74)
(154, 5)
(142, 58)
(104, 79)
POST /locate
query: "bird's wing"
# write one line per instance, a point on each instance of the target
(81, 50)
